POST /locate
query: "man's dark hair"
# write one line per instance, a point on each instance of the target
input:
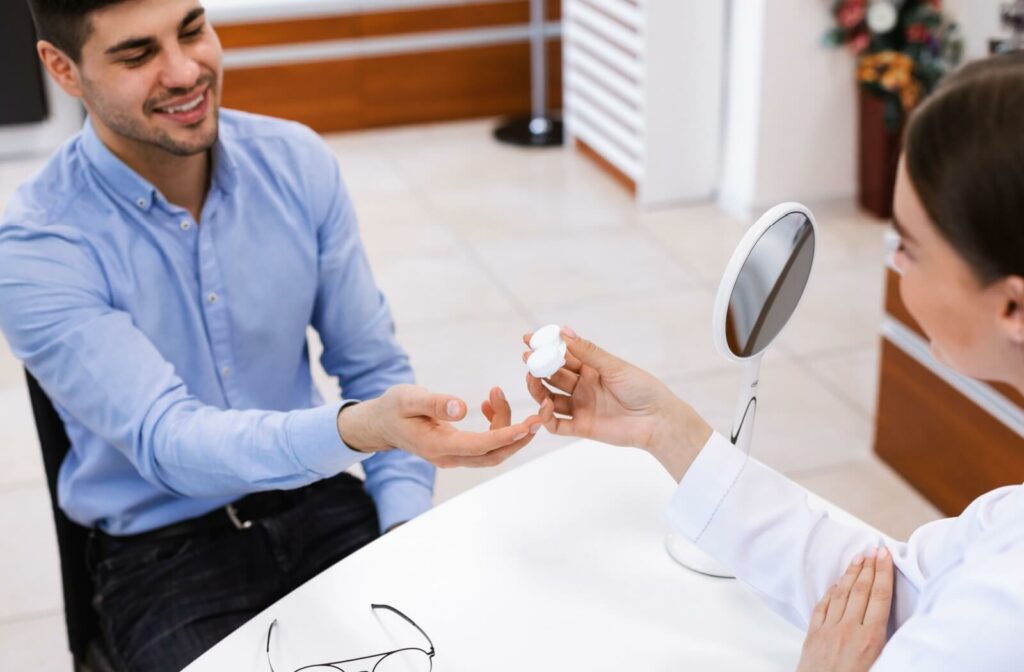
(65, 23)
(965, 158)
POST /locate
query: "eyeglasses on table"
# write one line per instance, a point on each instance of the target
(407, 659)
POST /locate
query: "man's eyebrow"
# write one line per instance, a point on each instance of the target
(129, 44)
(140, 42)
(192, 16)
(902, 230)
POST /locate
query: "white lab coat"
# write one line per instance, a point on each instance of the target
(959, 594)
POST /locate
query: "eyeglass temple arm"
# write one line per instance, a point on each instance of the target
(407, 620)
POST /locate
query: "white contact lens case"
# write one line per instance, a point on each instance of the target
(549, 335)
(548, 354)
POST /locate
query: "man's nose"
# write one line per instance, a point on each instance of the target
(180, 71)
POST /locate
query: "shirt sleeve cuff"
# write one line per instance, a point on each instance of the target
(316, 443)
(400, 500)
(704, 486)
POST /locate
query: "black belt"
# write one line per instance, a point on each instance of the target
(240, 515)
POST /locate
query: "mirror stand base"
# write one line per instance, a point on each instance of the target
(686, 553)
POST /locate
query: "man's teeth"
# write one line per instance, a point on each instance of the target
(186, 107)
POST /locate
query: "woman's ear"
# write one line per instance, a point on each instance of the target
(1012, 314)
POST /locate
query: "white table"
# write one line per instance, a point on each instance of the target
(557, 565)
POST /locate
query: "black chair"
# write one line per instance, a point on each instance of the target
(84, 638)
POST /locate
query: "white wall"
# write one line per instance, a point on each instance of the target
(790, 125)
(979, 21)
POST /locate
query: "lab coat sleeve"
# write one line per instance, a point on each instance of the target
(762, 526)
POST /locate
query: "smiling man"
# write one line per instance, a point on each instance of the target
(158, 278)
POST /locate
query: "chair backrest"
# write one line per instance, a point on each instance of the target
(82, 623)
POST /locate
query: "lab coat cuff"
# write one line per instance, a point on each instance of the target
(400, 500)
(704, 486)
(318, 447)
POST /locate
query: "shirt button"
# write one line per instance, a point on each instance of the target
(212, 297)
(185, 225)
(141, 202)
(226, 371)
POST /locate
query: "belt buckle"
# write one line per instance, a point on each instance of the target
(235, 519)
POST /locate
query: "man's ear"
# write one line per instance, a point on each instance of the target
(1012, 317)
(60, 66)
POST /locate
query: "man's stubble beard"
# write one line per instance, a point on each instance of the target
(133, 129)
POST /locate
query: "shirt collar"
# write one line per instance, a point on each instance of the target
(133, 187)
(115, 172)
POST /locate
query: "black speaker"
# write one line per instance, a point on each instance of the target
(21, 77)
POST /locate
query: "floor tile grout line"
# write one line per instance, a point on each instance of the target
(692, 273)
(840, 394)
(470, 249)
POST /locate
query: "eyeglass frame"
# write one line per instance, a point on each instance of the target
(382, 655)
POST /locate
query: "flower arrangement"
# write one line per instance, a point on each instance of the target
(903, 48)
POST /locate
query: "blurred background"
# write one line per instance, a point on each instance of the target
(684, 120)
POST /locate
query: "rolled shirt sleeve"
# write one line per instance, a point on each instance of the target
(354, 322)
(95, 365)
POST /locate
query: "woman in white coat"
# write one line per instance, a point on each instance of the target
(956, 587)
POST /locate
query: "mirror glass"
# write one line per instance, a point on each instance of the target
(769, 285)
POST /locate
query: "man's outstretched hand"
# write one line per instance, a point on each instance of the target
(420, 422)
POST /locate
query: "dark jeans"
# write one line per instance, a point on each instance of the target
(162, 603)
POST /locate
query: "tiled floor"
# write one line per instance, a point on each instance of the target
(475, 243)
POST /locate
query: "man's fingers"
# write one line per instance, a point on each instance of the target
(858, 602)
(547, 411)
(818, 615)
(880, 601)
(837, 605)
(502, 411)
(491, 459)
(488, 412)
(473, 444)
(418, 401)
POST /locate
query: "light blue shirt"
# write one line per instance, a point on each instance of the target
(175, 350)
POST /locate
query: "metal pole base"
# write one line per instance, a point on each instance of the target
(531, 132)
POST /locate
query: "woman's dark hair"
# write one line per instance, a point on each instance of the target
(964, 151)
(65, 23)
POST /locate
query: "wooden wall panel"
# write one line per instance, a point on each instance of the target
(948, 448)
(435, 86)
(324, 96)
(407, 88)
(403, 89)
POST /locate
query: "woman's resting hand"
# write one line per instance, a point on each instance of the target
(848, 627)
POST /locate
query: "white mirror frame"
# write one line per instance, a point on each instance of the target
(683, 550)
(732, 272)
